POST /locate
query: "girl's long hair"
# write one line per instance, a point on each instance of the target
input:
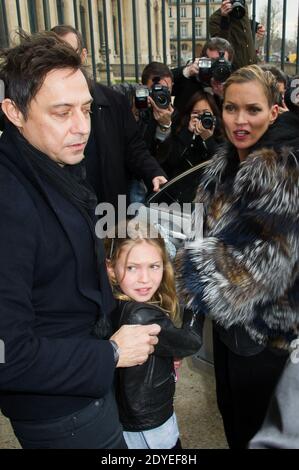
(184, 117)
(125, 235)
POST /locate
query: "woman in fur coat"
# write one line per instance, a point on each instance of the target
(245, 273)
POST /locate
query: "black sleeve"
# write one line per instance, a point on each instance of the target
(138, 159)
(174, 342)
(38, 364)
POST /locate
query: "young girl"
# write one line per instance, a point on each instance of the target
(143, 282)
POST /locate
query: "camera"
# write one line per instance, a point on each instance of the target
(159, 93)
(238, 10)
(219, 69)
(141, 95)
(207, 119)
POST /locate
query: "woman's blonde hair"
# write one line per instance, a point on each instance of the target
(129, 234)
(252, 73)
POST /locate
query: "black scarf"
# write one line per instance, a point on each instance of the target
(70, 181)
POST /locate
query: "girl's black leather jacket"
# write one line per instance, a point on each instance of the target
(145, 393)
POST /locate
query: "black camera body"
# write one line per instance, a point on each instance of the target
(207, 119)
(159, 93)
(219, 69)
(239, 9)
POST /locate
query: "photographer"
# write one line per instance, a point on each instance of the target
(155, 114)
(196, 136)
(231, 22)
(189, 79)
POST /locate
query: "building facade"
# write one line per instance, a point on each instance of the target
(115, 32)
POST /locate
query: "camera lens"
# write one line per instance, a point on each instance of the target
(207, 119)
(238, 10)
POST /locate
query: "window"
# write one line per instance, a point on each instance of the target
(170, 12)
(172, 47)
(32, 16)
(101, 29)
(171, 30)
(198, 30)
(184, 47)
(115, 34)
(83, 24)
(183, 12)
(60, 12)
(197, 11)
(3, 25)
(184, 30)
(47, 15)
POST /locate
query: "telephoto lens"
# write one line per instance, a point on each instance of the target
(238, 10)
(221, 68)
(160, 95)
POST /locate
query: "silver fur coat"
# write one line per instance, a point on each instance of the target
(245, 271)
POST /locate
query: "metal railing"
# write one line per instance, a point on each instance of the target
(108, 54)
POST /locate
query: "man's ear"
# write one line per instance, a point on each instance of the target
(12, 112)
(84, 54)
(274, 113)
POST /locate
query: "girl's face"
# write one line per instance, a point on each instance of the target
(139, 270)
(200, 107)
(246, 115)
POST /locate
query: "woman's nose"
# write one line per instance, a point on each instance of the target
(144, 276)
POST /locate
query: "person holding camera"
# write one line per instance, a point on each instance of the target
(231, 22)
(196, 135)
(199, 75)
(155, 115)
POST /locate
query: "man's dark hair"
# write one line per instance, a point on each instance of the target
(218, 44)
(64, 29)
(155, 69)
(278, 73)
(23, 68)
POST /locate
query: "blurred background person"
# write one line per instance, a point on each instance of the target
(196, 135)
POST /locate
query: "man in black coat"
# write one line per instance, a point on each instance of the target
(115, 151)
(56, 385)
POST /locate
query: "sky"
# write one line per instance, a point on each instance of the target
(292, 15)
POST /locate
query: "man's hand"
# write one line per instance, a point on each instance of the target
(226, 7)
(162, 116)
(136, 343)
(192, 69)
(157, 182)
(261, 31)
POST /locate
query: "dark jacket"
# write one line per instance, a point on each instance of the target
(184, 88)
(145, 393)
(185, 151)
(238, 32)
(115, 151)
(245, 274)
(50, 298)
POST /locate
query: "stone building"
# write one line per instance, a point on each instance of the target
(109, 42)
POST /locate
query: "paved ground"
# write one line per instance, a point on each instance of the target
(199, 419)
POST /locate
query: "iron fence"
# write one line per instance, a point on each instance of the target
(107, 53)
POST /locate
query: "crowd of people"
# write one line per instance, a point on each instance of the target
(91, 334)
